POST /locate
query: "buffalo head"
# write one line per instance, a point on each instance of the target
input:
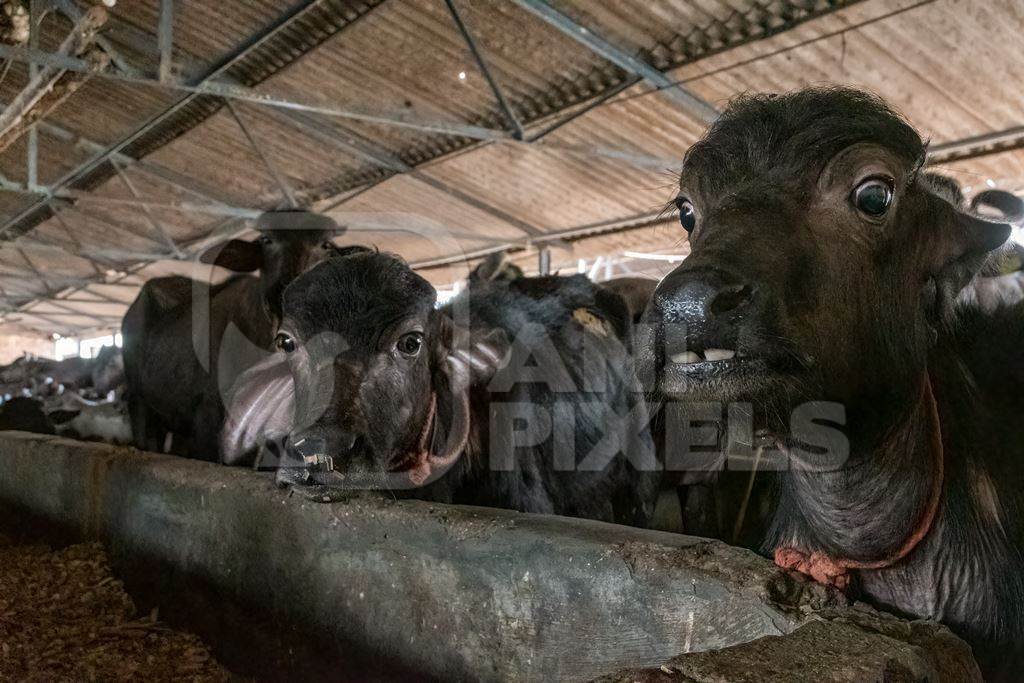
(289, 243)
(377, 378)
(824, 263)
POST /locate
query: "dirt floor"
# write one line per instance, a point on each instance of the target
(64, 617)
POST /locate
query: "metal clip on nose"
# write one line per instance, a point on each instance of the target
(319, 463)
(312, 450)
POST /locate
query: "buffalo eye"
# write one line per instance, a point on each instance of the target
(327, 246)
(284, 342)
(264, 240)
(410, 344)
(687, 216)
(873, 197)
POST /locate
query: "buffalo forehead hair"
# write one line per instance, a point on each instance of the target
(791, 137)
(365, 290)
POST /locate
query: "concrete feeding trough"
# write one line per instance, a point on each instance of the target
(370, 588)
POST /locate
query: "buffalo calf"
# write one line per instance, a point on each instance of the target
(519, 394)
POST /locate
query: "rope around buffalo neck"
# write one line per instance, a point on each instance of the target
(413, 460)
(835, 571)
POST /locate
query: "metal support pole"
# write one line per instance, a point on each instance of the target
(278, 177)
(35, 16)
(165, 39)
(32, 162)
(517, 127)
(977, 145)
(544, 261)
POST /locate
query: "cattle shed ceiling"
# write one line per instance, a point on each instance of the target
(144, 151)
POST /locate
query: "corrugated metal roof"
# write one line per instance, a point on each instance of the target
(952, 66)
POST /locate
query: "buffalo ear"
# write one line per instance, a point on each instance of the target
(483, 356)
(974, 239)
(497, 266)
(1009, 205)
(472, 357)
(349, 250)
(237, 255)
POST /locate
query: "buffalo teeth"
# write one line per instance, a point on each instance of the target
(718, 354)
(686, 357)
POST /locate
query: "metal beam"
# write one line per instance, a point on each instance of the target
(77, 244)
(69, 9)
(35, 19)
(691, 103)
(168, 175)
(745, 33)
(57, 325)
(165, 40)
(153, 222)
(83, 197)
(58, 303)
(217, 70)
(517, 127)
(634, 222)
(275, 174)
(112, 223)
(245, 94)
(104, 254)
(32, 267)
(70, 313)
(536, 137)
(634, 158)
(977, 145)
(366, 149)
(53, 248)
(107, 301)
(42, 82)
(84, 284)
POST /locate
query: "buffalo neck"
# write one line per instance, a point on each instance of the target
(866, 510)
(254, 317)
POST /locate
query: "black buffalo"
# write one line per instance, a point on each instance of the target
(25, 414)
(174, 369)
(825, 267)
(518, 394)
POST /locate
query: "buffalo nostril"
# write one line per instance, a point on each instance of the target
(730, 298)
